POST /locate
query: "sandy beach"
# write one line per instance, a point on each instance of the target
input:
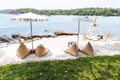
(56, 48)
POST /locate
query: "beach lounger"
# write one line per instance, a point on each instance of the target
(85, 36)
(108, 36)
(73, 50)
(41, 50)
(88, 49)
(22, 51)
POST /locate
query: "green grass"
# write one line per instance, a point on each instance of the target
(89, 68)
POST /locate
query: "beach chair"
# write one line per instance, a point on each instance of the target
(88, 49)
(85, 36)
(108, 36)
(72, 50)
(41, 50)
(88, 37)
(22, 51)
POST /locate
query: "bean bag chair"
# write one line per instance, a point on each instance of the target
(73, 50)
(88, 49)
(41, 50)
(22, 51)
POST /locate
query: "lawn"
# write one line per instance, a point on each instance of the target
(88, 68)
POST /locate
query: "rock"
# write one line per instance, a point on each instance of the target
(64, 33)
(41, 36)
(3, 39)
(17, 36)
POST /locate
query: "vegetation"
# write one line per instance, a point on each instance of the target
(82, 11)
(89, 68)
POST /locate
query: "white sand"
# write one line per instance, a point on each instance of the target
(56, 48)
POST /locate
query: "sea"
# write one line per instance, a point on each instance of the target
(59, 22)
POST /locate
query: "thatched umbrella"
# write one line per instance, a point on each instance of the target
(31, 17)
(81, 20)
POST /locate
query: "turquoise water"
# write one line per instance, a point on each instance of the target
(58, 22)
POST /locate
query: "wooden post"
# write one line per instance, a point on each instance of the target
(31, 32)
(78, 33)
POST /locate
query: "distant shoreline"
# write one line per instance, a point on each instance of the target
(79, 11)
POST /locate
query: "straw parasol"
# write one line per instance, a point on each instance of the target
(31, 17)
(80, 19)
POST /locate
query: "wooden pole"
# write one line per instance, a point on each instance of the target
(78, 33)
(31, 32)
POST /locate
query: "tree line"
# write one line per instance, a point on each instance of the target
(81, 11)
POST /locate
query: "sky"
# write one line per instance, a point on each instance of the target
(58, 4)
